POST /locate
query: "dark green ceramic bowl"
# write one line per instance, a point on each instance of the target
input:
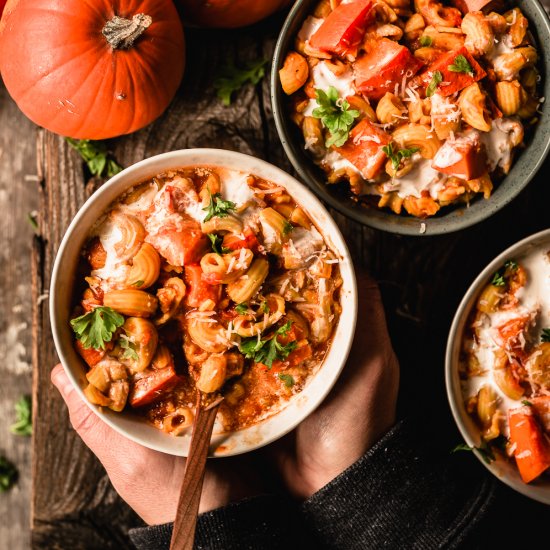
(524, 168)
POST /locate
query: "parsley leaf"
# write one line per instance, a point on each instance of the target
(215, 242)
(461, 65)
(242, 309)
(287, 379)
(287, 228)
(8, 474)
(138, 283)
(425, 41)
(268, 350)
(264, 308)
(526, 402)
(511, 265)
(545, 336)
(96, 157)
(397, 155)
(437, 79)
(231, 78)
(335, 115)
(129, 348)
(218, 207)
(96, 327)
(484, 449)
(23, 423)
(499, 277)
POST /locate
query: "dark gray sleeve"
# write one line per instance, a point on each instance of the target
(401, 494)
(266, 522)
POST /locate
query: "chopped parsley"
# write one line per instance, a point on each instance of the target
(461, 65)
(288, 228)
(425, 41)
(130, 349)
(138, 283)
(485, 449)
(232, 78)
(397, 155)
(499, 277)
(23, 422)
(216, 242)
(545, 336)
(242, 309)
(335, 115)
(268, 350)
(96, 327)
(526, 403)
(218, 207)
(437, 79)
(8, 474)
(264, 308)
(96, 156)
(287, 379)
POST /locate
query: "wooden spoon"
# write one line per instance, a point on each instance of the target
(183, 534)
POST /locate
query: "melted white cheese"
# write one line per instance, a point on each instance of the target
(336, 162)
(310, 26)
(498, 142)
(235, 188)
(115, 270)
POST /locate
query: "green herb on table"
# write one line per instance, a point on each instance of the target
(232, 78)
(437, 79)
(32, 218)
(130, 349)
(545, 336)
(461, 65)
(287, 379)
(335, 114)
(215, 242)
(425, 41)
(396, 155)
(97, 327)
(23, 422)
(96, 156)
(218, 207)
(268, 350)
(8, 474)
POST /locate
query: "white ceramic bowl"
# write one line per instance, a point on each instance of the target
(61, 303)
(504, 470)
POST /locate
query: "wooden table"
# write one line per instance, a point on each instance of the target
(422, 279)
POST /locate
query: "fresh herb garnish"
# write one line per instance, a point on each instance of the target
(96, 157)
(23, 422)
(511, 265)
(216, 241)
(545, 336)
(268, 350)
(130, 349)
(499, 277)
(425, 41)
(96, 327)
(287, 379)
(461, 65)
(335, 114)
(287, 228)
(526, 402)
(138, 283)
(437, 79)
(264, 308)
(8, 474)
(485, 449)
(232, 78)
(397, 155)
(218, 207)
(242, 309)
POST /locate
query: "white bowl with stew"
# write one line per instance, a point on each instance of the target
(482, 380)
(63, 299)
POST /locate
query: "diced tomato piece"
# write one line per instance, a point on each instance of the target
(466, 6)
(384, 65)
(152, 386)
(364, 148)
(180, 246)
(453, 82)
(90, 355)
(462, 157)
(198, 289)
(302, 352)
(532, 450)
(235, 242)
(343, 29)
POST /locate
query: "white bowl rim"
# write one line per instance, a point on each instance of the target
(541, 494)
(221, 158)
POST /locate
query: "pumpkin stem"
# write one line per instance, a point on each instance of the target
(121, 33)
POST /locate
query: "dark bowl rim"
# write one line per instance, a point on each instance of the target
(455, 220)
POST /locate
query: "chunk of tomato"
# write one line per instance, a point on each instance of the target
(384, 66)
(364, 148)
(152, 386)
(452, 81)
(247, 239)
(462, 157)
(90, 355)
(343, 29)
(198, 289)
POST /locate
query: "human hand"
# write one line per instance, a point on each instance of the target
(150, 481)
(357, 412)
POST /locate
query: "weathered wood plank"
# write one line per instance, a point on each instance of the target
(17, 198)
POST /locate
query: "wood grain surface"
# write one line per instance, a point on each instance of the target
(422, 279)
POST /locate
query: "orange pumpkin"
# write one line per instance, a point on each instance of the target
(229, 14)
(91, 69)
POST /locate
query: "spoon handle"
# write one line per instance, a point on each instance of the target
(183, 534)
